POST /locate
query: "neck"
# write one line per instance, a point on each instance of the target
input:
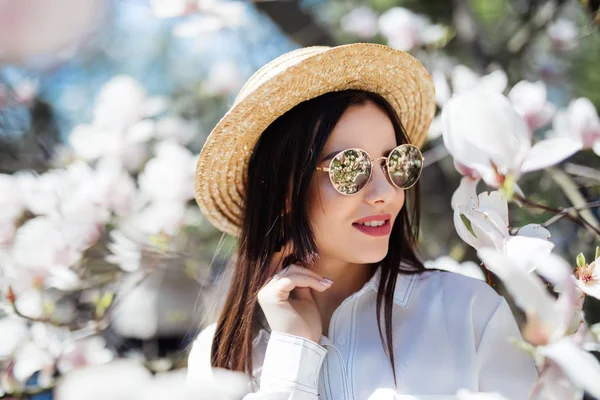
(348, 279)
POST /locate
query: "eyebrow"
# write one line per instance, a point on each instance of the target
(334, 153)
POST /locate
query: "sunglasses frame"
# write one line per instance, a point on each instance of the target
(373, 161)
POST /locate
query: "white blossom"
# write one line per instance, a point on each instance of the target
(483, 132)
(529, 99)
(361, 22)
(580, 124)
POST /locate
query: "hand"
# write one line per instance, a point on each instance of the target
(288, 304)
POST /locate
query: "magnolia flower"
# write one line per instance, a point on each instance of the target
(128, 145)
(360, 22)
(83, 352)
(467, 268)
(548, 319)
(170, 174)
(529, 99)
(580, 124)
(588, 278)
(161, 217)
(13, 332)
(563, 33)
(125, 252)
(405, 30)
(42, 254)
(176, 129)
(482, 221)
(483, 132)
(465, 79)
(122, 101)
(224, 78)
(578, 365)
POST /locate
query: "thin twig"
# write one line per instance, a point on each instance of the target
(577, 219)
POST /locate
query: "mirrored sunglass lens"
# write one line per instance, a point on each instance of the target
(350, 171)
(404, 166)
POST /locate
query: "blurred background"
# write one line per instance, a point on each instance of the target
(105, 104)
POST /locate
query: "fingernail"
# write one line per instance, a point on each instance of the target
(326, 281)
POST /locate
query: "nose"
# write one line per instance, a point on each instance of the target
(380, 189)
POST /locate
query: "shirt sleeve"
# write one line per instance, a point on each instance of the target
(504, 368)
(290, 370)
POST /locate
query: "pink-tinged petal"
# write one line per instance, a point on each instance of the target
(480, 128)
(584, 119)
(528, 290)
(549, 152)
(578, 365)
(466, 171)
(495, 201)
(528, 96)
(542, 118)
(591, 289)
(535, 231)
(465, 192)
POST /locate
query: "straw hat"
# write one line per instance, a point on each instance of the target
(283, 83)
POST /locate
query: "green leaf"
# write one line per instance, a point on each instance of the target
(467, 223)
(580, 260)
(597, 256)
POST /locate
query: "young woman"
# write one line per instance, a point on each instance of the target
(316, 169)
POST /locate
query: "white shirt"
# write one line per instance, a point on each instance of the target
(450, 332)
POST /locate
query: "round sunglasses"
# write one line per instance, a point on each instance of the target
(350, 170)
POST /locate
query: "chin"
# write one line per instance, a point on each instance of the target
(371, 255)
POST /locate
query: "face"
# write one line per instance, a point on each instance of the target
(335, 217)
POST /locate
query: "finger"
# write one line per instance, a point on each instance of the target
(288, 283)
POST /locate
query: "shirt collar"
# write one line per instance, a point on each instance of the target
(404, 286)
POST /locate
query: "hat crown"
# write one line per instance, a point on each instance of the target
(277, 66)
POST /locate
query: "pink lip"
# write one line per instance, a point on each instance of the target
(379, 217)
(382, 230)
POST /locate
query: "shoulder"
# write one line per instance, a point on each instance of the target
(457, 297)
(458, 288)
(199, 357)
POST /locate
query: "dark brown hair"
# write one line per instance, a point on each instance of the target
(280, 170)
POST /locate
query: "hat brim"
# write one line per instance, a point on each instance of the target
(395, 75)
